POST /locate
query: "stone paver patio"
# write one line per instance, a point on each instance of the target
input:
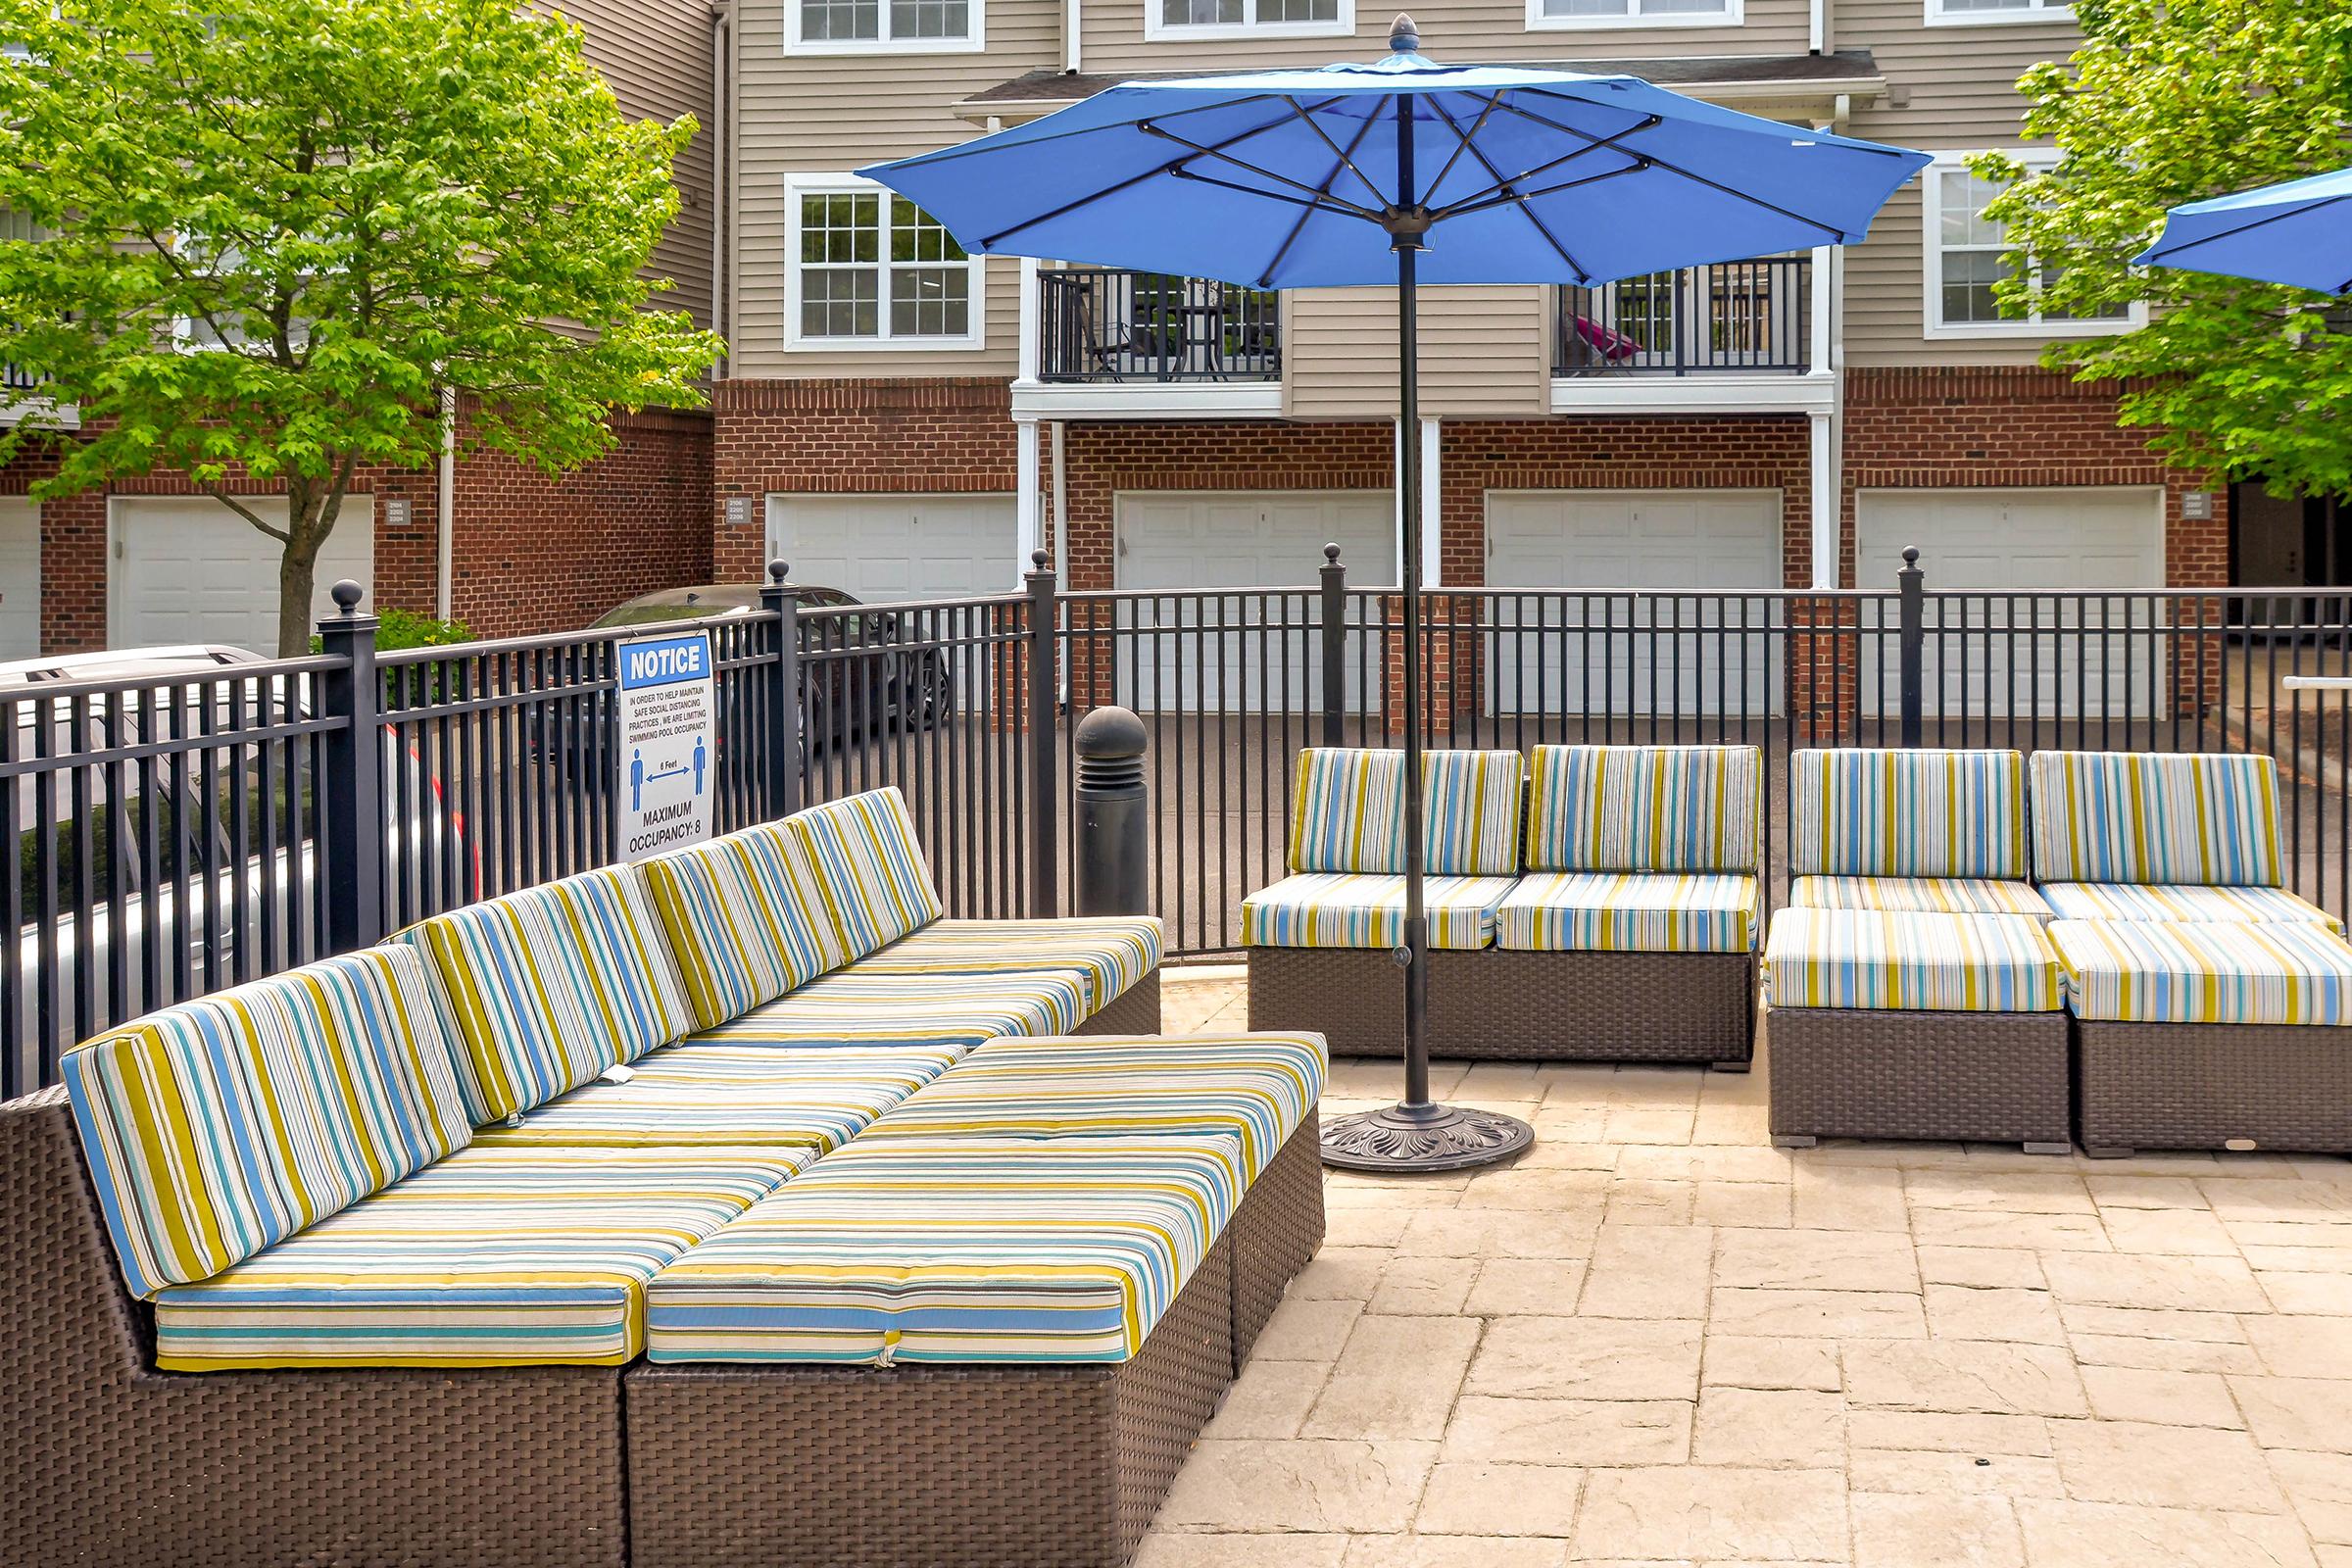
(1660, 1340)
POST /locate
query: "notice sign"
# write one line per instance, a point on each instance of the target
(669, 741)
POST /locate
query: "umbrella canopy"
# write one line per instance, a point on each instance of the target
(2299, 232)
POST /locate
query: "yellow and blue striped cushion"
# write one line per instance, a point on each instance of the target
(218, 1127)
(2144, 972)
(814, 1097)
(1644, 808)
(1940, 894)
(2190, 902)
(552, 985)
(870, 868)
(1911, 961)
(913, 1250)
(2147, 816)
(1873, 813)
(1347, 812)
(1338, 909)
(746, 919)
(1470, 807)
(1113, 953)
(493, 1257)
(946, 1010)
(1618, 912)
(1256, 1086)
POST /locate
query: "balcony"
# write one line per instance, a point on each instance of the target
(1101, 325)
(1732, 317)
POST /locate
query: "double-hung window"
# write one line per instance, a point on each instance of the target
(1247, 18)
(1993, 13)
(1543, 14)
(883, 26)
(868, 269)
(1968, 253)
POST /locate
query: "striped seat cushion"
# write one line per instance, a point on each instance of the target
(552, 985)
(1615, 912)
(2141, 971)
(731, 1097)
(942, 1011)
(1113, 953)
(1347, 812)
(493, 1257)
(869, 868)
(746, 919)
(1875, 958)
(1940, 894)
(2184, 902)
(1256, 1086)
(1868, 813)
(1644, 808)
(218, 1127)
(2145, 816)
(1338, 909)
(908, 1249)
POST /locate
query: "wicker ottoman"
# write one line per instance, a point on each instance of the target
(1133, 1012)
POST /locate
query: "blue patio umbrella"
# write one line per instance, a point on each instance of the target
(2299, 232)
(1405, 171)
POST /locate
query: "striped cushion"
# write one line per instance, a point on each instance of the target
(220, 1126)
(1614, 911)
(1470, 802)
(1256, 1086)
(1644, 808)
(2156, 972)
(1864, 811)
(910, 1249)
(869, 868)
(2144, 817)
(1113, 953)
(746, 919)
(1910, 960)
(2184, 902)
(1943, 895)
(946, 1010)
(1347, 812)
(552, 985)
(732, 1096)
(493, 1257)
(1334, 909)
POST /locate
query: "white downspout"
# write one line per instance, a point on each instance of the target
(1431, 521)
(1069, 36)
(721, 149)
(1027, 528)
(1061, 511)
(445, 547)
(1817, 30)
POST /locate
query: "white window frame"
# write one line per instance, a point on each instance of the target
(1157, 30)
(1949, 164)
(1732, 14)
(975, 40)
(796, 186)
(2033, 12)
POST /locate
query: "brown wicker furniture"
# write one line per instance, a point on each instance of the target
(1937, 1076)
(2281, 1087)
(1133, 1012)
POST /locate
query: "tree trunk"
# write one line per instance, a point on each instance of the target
(309, 516)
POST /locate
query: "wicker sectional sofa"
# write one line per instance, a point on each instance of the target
(524, 1236)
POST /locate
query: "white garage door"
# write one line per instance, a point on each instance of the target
(19, 577)
(1678, 647)
(1178, 544)
(1988, 655)
(190, 571)
(897, 547)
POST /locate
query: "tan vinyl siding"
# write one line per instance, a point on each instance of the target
(1484, 353)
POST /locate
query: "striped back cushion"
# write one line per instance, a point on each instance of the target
(1869, 812)
(1644, 808)
(2150, 816)
(869, 869)
(745, 920)
(1347, 812)
(552, 985)
(218, 1127)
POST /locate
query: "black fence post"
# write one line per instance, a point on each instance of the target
(780, 599)
(1911, 598)
(351, 770)
(1335, 647)
(1045, 891)
(1112, 811)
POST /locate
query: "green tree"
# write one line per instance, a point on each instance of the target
(273, 231)
(2170, 101)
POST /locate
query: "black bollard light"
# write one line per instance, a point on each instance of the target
(1112, 809)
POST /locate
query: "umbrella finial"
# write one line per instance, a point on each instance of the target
(1405, 38)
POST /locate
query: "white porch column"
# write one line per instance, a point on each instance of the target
(1029, 347)
(1819, 360)
(1827, 514)
(1028, 531)
(1432, 524)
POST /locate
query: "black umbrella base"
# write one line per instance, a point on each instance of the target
(1407, 1140)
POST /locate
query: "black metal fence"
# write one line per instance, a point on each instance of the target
(1727, 317)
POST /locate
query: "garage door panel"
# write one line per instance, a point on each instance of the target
(898, 547)
(188, 569)
(19, 577)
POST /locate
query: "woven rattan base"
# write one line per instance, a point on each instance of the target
(2213, 1086)
(1497, 1005)
(1992, 1077)
(1276, 1232)
(790, 1466)
(1133, 1012)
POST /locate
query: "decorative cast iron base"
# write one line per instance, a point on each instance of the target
(1405, 1139)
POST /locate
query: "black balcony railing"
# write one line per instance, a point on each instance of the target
(1102, 325)
(1729, 317)
(16, 378)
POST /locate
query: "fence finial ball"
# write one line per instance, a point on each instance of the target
(347, 596)
(1330, 553)
(1039, 559)
(1405, 38)
(1910, 554)
(778, 570)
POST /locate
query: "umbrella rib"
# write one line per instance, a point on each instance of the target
(1200, 150)
(1265, 279)
(1508, 198)
(1477, 199)
(1535, 221)
(1346, 158)
(1309, 202)
(1462, 139)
